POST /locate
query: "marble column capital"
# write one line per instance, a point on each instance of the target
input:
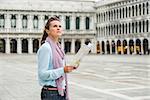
(18, 16)
(41, 17)
(8, 16)
(30, 16)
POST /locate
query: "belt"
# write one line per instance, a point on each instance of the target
(52, 88)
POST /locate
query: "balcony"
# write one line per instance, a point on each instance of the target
(79, 32)
(23, 30)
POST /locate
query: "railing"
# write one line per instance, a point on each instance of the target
(16, 30)
(23, 30)
(79, 32)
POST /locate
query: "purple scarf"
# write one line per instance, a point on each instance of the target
(58, 57)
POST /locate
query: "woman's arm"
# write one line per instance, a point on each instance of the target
(45, 67)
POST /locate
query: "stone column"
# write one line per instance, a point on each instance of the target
(41, 22)
(19, 46)
(8, 21)
(128, 51)
(92, 22)
(134, 45)
(73, 22)
(82, 23)
(138, 28)
(73, 46)
(62, 43)
(134, 11)
(100, 42)
(19, 22)
(7, 46)
(128, 27)
(94, 46)
(121, 29)
(30, 46)
(110, 42)
(116, 50)
(122, 52)
(142, 52)
(82, 42)
(30, 22)
(142, 9)
(145, 27)
(105, 46)
(149, 43)
(63, 21)
(127, 11)
(131, 32)
(39, 42)
(142, 27)
(138, 11)
(134, 27)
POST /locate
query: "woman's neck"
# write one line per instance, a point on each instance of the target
(53, 38)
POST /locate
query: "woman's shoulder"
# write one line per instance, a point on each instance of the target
(45, 47)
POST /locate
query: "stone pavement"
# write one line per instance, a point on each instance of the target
(99, 77)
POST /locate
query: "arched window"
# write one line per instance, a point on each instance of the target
(114, 14)
(117, 13)
(140, 26)
(132, 27)
(77, 23)
(136, 10)
(129, 28)
(129, 12)
(126, 28)
(2, 21)
(100, 17)
(143, 9)
(147, 8)
(114, 30)
(126, 12)
(123, 12)
(104, 17)
(13, 21)
(24, 21)
(87, 23)
(35, 22)
(132, 10)
(140, 9)
(143, 26)
(120, 29)
(109, 15)
(117, 29)
(67, 23)
(109, 30)
(45, 19)
(120, 13)
(97, 18)
(106, 31)
(147, 25)
(136, 25)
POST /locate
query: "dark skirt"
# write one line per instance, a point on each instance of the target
(51, 95)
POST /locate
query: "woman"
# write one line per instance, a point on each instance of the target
(51, 63)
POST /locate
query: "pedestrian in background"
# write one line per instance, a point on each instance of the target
(51, 63)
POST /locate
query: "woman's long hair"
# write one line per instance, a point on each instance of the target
(45, 35)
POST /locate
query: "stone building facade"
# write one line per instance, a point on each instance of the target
(113, 26)
(123, 27)
(22, 23)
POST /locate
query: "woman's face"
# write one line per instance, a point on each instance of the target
(55, 29)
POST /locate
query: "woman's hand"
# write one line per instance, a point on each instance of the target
(68, 69)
